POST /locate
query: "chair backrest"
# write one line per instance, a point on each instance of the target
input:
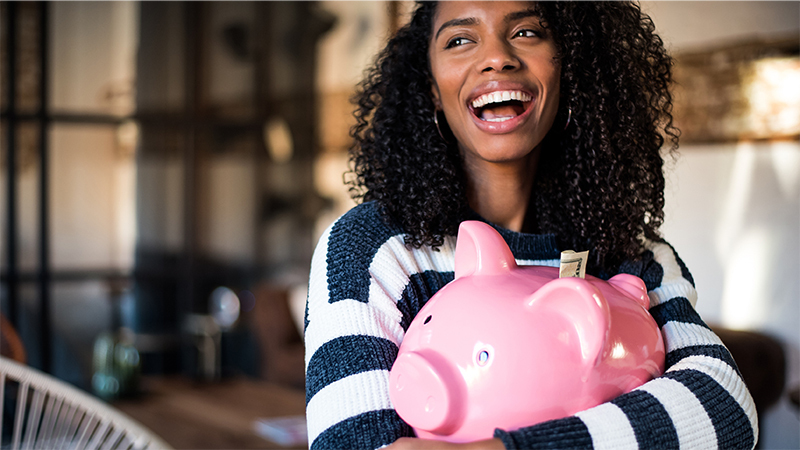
(51, 414)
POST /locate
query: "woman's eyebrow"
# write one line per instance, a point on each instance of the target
(456, 23)
(517, 15)
(511, 17)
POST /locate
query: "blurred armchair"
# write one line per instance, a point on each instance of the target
(45, 412)
(281, 347)
(762, 362)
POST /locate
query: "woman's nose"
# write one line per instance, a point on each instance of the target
(498, 56)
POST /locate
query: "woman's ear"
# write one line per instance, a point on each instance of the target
(436, 96)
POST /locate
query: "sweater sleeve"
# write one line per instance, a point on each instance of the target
(699, 402)
(352, 336)
(356, 315)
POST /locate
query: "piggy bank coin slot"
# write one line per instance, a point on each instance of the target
(427, 319)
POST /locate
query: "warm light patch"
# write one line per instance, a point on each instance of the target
(773, 91)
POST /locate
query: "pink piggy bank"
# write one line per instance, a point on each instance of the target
(507, 346)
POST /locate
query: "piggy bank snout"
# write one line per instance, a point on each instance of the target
(425, 391)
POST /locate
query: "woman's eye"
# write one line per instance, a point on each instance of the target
(455, 42)
(526, 33)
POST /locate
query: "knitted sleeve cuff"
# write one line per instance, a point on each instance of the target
(569, 432)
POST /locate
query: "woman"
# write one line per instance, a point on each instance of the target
(545, 120)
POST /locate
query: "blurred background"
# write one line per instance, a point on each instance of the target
(166, 169)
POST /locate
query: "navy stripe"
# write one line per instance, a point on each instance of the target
(731, 424)
(650, 270)
(569, 432)
(365, 431)
(305, 317)
(684, 269)
(418, 291)
(678, 309)
(649, 419)
(528, 246)
(345, 356)
(636, 266)
(713, 350)
(645, 267)
(353, 242)
(523, 245)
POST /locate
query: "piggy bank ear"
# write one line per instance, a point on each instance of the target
(584, 309)
(480, 250)
(633, 286)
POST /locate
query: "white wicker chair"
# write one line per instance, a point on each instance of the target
(51, 414)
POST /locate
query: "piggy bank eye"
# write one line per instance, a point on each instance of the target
(427, 319)
(483, 357)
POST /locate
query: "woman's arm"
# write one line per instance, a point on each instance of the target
(365, 286)
(699, 402)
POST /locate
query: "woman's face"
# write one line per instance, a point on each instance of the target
(495, 76)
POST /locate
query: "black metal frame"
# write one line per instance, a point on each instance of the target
(189, 270)
(44, 276)
(11, 162)
(12, 118)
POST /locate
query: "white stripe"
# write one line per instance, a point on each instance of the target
(691, 421)
(678, 335)
(318, 278)
(666, 292)
(539, 262)
(673, 284)
(346, 318)
(727, 377)
(609, 427)
(347, 398)
(665, 256)
(390, 269)
(394, 263)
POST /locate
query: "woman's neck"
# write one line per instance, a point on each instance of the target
(500, 192)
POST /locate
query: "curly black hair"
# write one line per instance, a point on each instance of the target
(599, 183)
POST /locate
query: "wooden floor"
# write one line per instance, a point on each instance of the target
(196, 415)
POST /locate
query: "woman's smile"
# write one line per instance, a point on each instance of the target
(500, 107)
(495, 76)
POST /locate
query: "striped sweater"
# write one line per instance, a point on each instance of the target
(366, 286)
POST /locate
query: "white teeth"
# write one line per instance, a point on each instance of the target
(500, 96)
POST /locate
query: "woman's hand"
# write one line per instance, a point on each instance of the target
(407, 443)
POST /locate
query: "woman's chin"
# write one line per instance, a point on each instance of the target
(498, 150)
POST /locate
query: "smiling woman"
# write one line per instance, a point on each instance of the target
(547, 121)
(496, 77)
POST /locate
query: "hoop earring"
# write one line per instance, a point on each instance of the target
(569, 118)
(436, 121)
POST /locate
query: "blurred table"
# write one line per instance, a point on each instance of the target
(204, 415)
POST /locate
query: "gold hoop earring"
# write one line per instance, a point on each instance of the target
(569, 118)
(436, 121)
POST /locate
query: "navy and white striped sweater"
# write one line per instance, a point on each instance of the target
(366, 286)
